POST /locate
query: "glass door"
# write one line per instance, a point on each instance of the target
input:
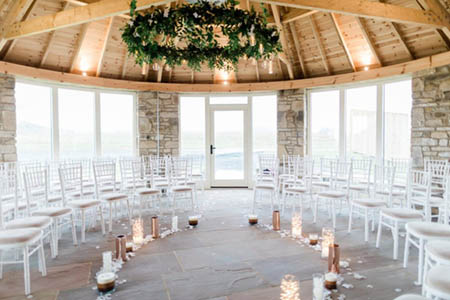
(228, 148)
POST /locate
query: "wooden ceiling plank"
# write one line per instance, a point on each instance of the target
(342, 40)
(124, 66)
(258, 78)
(323, 54)
(424, 63)
(366, 9)
(396, 32)
(105, 44)
(296, 14)
(76, 16)
(368, 40)
(298, 48)
(86, 2)
(80, 41)
(283, 57)
(16, 12)
(439, 10)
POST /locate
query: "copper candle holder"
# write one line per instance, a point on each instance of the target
(106, 282)
(276, 220)
(313, 239)
(121, 247)
(333, 258)
(129, 247)
(252, 219)
(331, 281)
(155, 227)
(193, 221)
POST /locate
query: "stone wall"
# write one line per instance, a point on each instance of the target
(154, 106)
(7, 119)
(291, 129)
(430, 120)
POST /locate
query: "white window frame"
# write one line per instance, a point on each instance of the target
(380, 120)
(55, 155)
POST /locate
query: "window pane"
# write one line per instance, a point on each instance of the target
(325, 123)
(361, 121)
(192, 126)
(76, 123)
(264, 126)
(228, 100)
(397, 118)
(33, 109)
(116, 115)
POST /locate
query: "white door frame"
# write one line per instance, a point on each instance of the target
(246, 109)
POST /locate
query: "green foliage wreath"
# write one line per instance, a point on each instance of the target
(190, 33)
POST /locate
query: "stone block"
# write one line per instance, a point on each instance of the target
(439, 135)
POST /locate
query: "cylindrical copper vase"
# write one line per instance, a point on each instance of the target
(276, 220)
(155, 227)
(121, 247)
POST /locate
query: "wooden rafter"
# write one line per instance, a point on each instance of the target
(323, 55)
(105, 44)
(396, 32)
(298, 48)
(86, 2)
(18, 9)
(440, 11)
(283, 57)
(80, 41)
(296, 14)
(368, 40)
(76, 16)
(342, 41)
(124, 66)
(258, 78)
(366, 9)
(50, 41)
(376, 73)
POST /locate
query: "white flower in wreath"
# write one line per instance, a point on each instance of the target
(274, 33)
(196, 15)
(166, 13)
(150, 21)
(136, 34)
(252, 28)
(130, 23)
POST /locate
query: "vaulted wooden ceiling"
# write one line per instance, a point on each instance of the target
(319, 37)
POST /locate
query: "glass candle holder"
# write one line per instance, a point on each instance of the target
(327, 240)
(193, 220)
(252, 219)
(318, 281)
(296, 224)
(290, 288)
(331, 280)
(313, 239)
(106, 282)
(107, 261)
(129, 246)
(138, 232)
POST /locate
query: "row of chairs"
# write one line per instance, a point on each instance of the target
(35, 205)
(391, 193)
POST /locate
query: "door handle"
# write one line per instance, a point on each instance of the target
(211, 149)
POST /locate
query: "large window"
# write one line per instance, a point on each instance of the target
(325, 123)
(34, 133)
(192, 126)
(397, 119)
(376, 121)
(117, 124)
(361, 105)
(264, 118)
(76, 123)
(66, 123)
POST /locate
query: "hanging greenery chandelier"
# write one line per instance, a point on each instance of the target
(215, 34)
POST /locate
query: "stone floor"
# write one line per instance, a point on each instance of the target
(223, 258)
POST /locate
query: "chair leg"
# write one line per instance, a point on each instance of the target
(380, 222)
(366, 225)
(26, 270)
(315, 210)
(333, 211)
(254, 200)
(130, 221)
(110, 217)
(425, 271)
(56, 239)
(406, 255)
(350, 216)
(1, 264)
(74, 229)
(421, 257)
(41, 255)
(83, 226)
(395, 234)
(102, 220)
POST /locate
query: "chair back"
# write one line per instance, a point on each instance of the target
(362, 170)
(341, 174)
(383, 180)
(104, 175)
(268, 168)
(71, 178)
(36, 188)
(402, 168)
(9, 186)
(419, 190)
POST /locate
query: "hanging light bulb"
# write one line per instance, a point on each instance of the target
(155, 67)
(271, 67)
(144, 69)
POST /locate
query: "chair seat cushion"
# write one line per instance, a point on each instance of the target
(29, 222)
(54, 198)
(332, 194)
(296, 189)
(161, 183)
(358, 187)
(402, 213)
(439, 250)
(410, 297)
(265, 186)
(438, 281)
(429, 230)
(113, 196)
(181, 188)
(369, 203)
(78, 194)
(147, 191)
(17, 237)
(53, 211)
(321, 183)
(83, 203)
(285, 176)
(394, 193)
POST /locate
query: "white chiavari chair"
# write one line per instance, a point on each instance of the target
(73, 195)
(179, 183)
(36, 190)
(437, 253)
(107, 190)
(287, 170)
(361, 177)
(143, 194)
(266, 180)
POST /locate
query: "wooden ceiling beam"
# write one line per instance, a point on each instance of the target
(296, 14)
(440, 11)
(402, 41)
(424, 63)
(298, 49)
(368, 40)
(283, 57)
(76, 16)
(258, 78)
(18, 9)
(366, 9)
(80, 41)
(124, 66)
(105, 44)
(342, 41)
(323, 54)
(86, 2)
